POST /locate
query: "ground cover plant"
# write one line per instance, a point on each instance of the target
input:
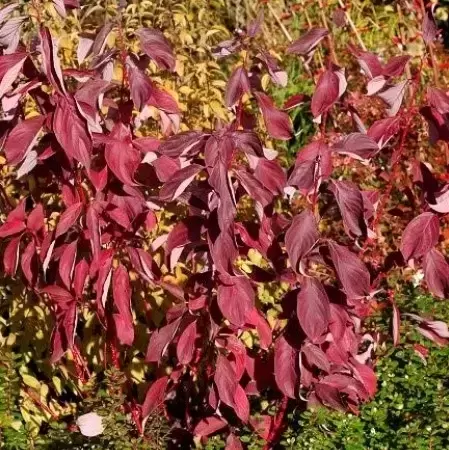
(195, 278)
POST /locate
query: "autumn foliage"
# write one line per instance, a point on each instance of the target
(85, 236)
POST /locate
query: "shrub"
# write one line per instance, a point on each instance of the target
(128, 230)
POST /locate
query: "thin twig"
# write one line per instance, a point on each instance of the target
(353, 27)
(329, 36)
(279, 22)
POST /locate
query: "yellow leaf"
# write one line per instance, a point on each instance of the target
(31, 382)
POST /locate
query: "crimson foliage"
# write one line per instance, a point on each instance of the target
(83, 146)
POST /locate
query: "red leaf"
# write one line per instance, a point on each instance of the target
(438, 99)
(68, 219)
(172, 189)
(11, 227)
(350, 202)
(254, 187)
(236, 299)
(186, 343)
(351, 271)
(313, 309)
(357, 145)
(67, 264)
(63, 335)
(140, 85)
(50, 59)
(271, 175)
(58, 294)
(396, 66)
(277, 122)
(301, 236)
(157, 47)
(79, 277)
(22, 139)
(420, 236)
(436, 273)
(10, 67)
(226, 381)
(285, 358)
(308, 41)
(155, 397)
(93, 225)
(365, 374)
(71, 131)
(326, 92)
(28, 263)
(121, 290)
(209, 425)
(188, 143)
(122, 158)
(160, 339)
(233, 443)
(241, 404)
(316, 357)
(238, 85)
(313, 165)
(103, 281)
(393, 96)
(35, 221)
(429, 26)
(11, 256)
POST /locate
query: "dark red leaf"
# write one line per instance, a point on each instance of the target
(58, 294)
(226, 381)
(68, 219)
(35, 221)
(326, 93)
(233, 442)
(301, 236)
(285, 358)
(277, 122)
(123, 318)
(63, 335)
(28, 263)
(238, 85)
(79, 277)
(358, 145)
(186, 343)
(50, 59)
(420, 236)
(140, 85)
(71, 132)
(241, 404)
(307, 42)
(22, 139)
(10, 67)
(155, 397)
(236, 299)
(313, 309)
(157, 47)
(67, 264)
(254, 187)
(271, 175)
(316, 357)
(11, 256)
(173, 188)
(188, 143)
(395, 66)
(438, 99)
(122, 158)
(429, 26)
(11, 227)
(313, 165)
(209, 425)
(351, 271)
(160, 339)
(350, 202)
(436, 273)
